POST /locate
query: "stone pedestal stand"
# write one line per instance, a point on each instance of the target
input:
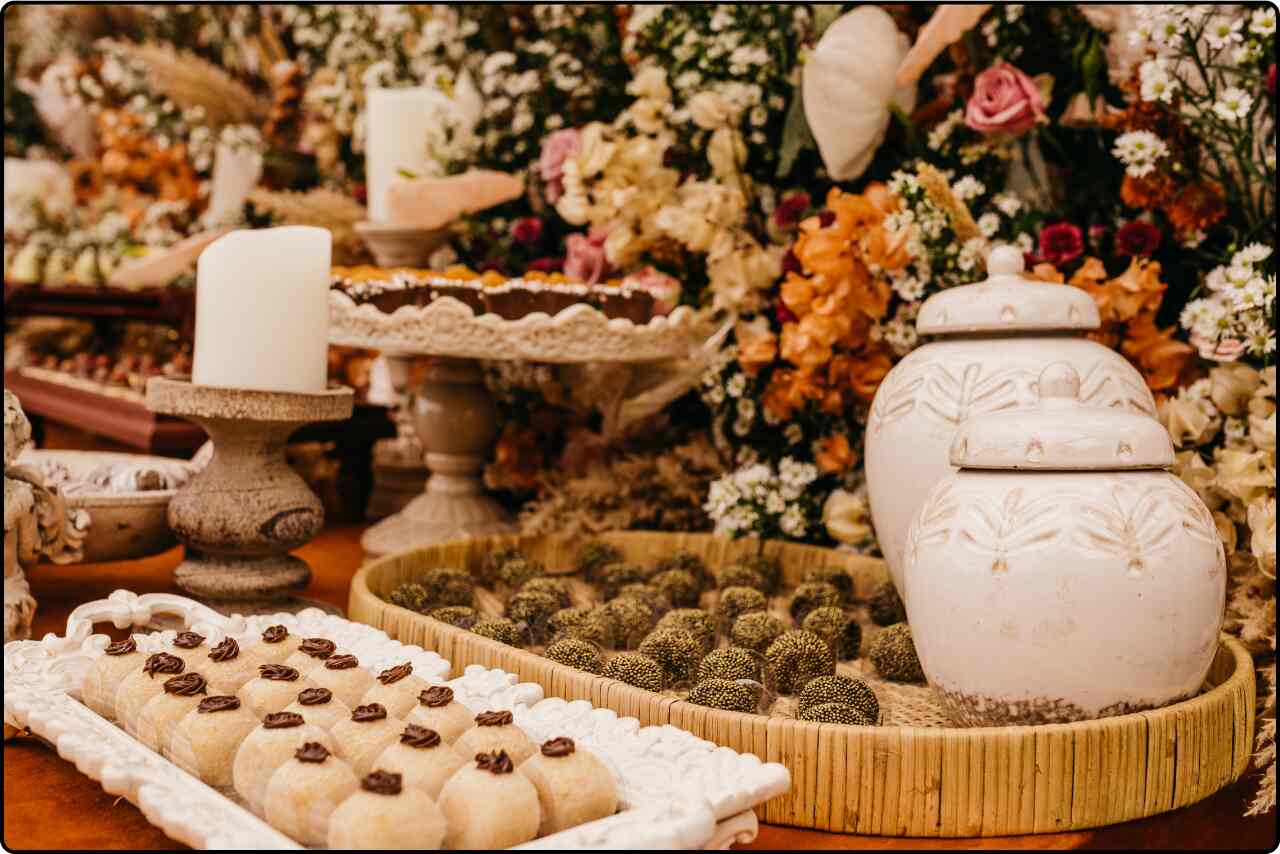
(241, 516)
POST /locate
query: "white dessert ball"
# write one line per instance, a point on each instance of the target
(101, 683)
(226, 668)
(397, 689)
(142, 684)
(365, 734)
(268, 746)
(343, 675)
(205, 741)
(422, 759)
(311, 653)
(438, 710)
(190, 647)
(275, 647)
(494, 731)
(386, 814)
(304, 792)
(489, 804)
(275, 687)
(318, 706)
(159, 717)
(573, 785)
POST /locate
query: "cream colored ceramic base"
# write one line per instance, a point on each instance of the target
(393, 246)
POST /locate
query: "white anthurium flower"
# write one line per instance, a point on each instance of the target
(849, 84)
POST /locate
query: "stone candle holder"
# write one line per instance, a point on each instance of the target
(241, 516)
(401, 246)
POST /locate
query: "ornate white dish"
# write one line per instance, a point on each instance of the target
(679, 791)
(448, 327)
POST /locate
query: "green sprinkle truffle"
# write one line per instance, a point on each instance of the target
(495, 559)
(446, 587)
(740, 575)
(695, 621)
(731, 662)
(840, 689)
(833, 575)
(886, 605)
(893, 653)
(575, 653)
(676, 651)
(798, 656)
(501, 630)
(814, 594)
(459, 616)
(555, 587)
(683, 560)
(594, 556)
(756, 630)
(841, 632)
(582, 623)
(409, 595)
(519, 571)
(681, 586)
(723, 694)
(835, 713)
(736, 601)
(635, 669)
(533, 609)
(646, 593)
(615, 576)
(629, 618)
(769, 568)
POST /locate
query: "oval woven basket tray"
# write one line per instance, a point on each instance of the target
(921, 779)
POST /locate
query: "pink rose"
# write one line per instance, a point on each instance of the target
(584, 258)
(664, 289)
(1004, 101)
(557, 148)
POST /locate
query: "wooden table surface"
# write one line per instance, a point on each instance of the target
(48, 804)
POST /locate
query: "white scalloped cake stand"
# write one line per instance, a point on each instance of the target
(454, 414)
(677, 790)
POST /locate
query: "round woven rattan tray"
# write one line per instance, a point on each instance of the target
(889, 780)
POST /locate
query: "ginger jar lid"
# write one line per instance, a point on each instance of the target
(1062, 434)
(1007, 301)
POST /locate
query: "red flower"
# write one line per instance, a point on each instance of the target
(790, 209)
(790, 263)
(545, 265)
(1271, 80)
(526, 230)
(1061, 243)
(783, 314)
(1137, 239)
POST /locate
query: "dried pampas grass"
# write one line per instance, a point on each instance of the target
(321, 208)
(190, 81)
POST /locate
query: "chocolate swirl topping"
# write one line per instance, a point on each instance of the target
(162, 663)
(317, 647)
(436, 696)
(394, 674)
(419, 736)
(277, 672)
(496, 762)
(381, 783)
(370, 712)
(493, 718)
(221, 703)
(225, 651)
(342, 662)
(186, 685)
(282, 720)
(188, 640)
(123, 647)
(557, 747)
(314, 696)
(274, 634)
(312, 751)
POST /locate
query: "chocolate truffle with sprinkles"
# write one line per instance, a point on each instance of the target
(635, 669)
(681, 586)
(676, 651)
(815, 594)
(756, 630)
(518, 571)
(893, 652)
(532, 609)
(738, 575)
(768, 566)
(886, 605)
(798, 656)
(583, 623)
(723, 694)
(410, 595)
(630, 619)
(835, 713)
(446, 586)
(736, 601)
(658, 601)
(731, 662)
(833, 575)
(840, 689)
(458, 616)
(594, 556)
(575, 653)
(615, 576)
(553, 587)
(683, 560)
(501, 630)
(695, 621)
(841, 632)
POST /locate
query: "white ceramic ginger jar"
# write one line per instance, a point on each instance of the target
(993, 339)
(1062, 573)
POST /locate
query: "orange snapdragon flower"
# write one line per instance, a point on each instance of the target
(834, 454)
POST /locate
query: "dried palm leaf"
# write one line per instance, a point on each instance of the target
(190, 81)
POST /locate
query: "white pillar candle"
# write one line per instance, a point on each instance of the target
(262, 310)
(399, 124)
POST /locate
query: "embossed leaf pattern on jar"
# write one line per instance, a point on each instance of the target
(992, 340)
(1062, 573)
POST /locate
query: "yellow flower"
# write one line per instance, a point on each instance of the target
(1262, 530)
(1245, 474)
(847, 518)
(1231, 387)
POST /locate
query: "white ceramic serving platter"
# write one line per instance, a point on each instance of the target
(677, 790)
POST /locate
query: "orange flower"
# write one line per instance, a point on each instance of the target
(854, 213)
(885, 250)
(833, 454)
(1046, 272)
(1146, 192)
(867, 370)
(807, 344)
(797, 293)
(822, 251)
(1160, 357)
(519, 454)
(788, 391)
(755, 350)
(1197, 206)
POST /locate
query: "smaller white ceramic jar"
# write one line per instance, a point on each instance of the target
(1062, 573)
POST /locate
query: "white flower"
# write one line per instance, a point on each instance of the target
(1139, 150)
(1223, 31)
(968, 188)
(1234, 104)
(1008, 204)
(1157, 85)
(1263, 22)
(792, 522)
(989, 224)
(1253, 253)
